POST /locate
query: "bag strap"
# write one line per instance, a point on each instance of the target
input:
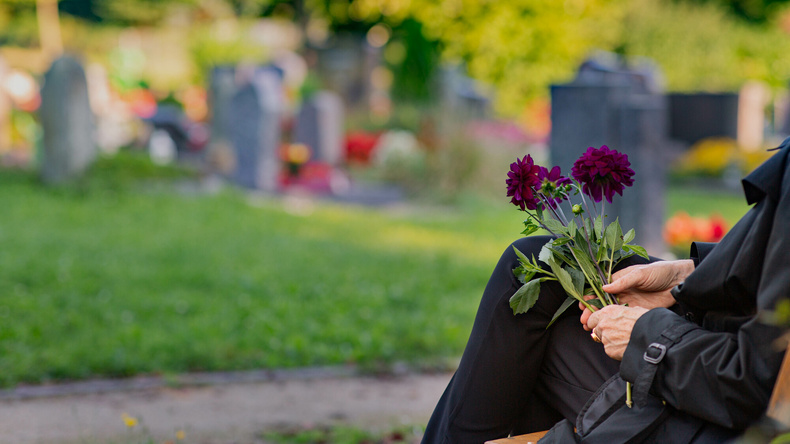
(653, 355)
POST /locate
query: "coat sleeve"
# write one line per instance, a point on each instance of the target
(724, 373)
(724, 378)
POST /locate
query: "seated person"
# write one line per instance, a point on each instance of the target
(690, 337)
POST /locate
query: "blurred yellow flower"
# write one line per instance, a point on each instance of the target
(130, 421)
(180, 435)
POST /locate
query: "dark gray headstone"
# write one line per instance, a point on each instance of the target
(67, 121)
(222, 86)
(319, 125)
(621, 109)
(700, 115)
(253, 127)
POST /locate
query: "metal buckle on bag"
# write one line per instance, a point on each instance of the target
(662, 350)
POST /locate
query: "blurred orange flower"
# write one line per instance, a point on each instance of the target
(681, 229)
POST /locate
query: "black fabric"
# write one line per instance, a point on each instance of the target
(724, 372)
(516, 376)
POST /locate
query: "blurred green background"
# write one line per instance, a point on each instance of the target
(135, 268)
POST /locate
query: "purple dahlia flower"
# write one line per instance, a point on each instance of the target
(550, 184)
(521, 182)
(602, 172)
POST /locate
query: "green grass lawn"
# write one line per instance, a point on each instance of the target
(110, 277)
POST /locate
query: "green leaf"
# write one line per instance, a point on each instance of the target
(586, 264)
(525, 297)
(565, 280)
(611, 235)
(522, 274)
(561, 241)
(521, 257)
(588, 228)
(638, 250)
(580, 240)
(530, 229)
(563, 254)
(578, 279)
(596, 303)
(629, 236)
(572, 229)
(618, 245)
(555, 226)
(598, 227)
(601, 249)
(545, 254)
(568, 302)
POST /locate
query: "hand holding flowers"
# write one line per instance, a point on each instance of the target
(584, 250)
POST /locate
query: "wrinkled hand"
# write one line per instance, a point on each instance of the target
(647, 286)
(613, 325)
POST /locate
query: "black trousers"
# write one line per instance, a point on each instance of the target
(516, 376)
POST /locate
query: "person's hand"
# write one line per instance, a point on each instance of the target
(645, 286)
(613, 325)
(648, 285)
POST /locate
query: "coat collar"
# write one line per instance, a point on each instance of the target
(767, 179)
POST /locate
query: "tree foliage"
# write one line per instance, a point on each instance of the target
(518, 46)
(758, 11)
(702, 47)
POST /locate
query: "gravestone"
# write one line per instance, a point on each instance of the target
(752, 101)
(319, 125)
(222, 86)
(253, 128)
(696, 116)
(623, 109)
(67, 122)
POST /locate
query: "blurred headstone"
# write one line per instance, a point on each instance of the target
(67, 122)
(254, 129)
(161, 147)
(463, 96)
(609, 104)
(221, 89)
(696, 116)
(341, 66)
(319, 125)
(753, 99)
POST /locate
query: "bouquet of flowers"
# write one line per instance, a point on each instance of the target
(584, 249)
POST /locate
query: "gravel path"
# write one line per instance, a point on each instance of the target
(232, 408)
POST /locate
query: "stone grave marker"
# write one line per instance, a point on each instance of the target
(622, 109)
(319, 125)
(253, 127)
(67, 122)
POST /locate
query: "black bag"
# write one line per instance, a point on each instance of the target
(607, 419)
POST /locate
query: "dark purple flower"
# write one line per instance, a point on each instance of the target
(550, 184)
(521, 181)
(602, 172)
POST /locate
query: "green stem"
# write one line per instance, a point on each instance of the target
(595, 289)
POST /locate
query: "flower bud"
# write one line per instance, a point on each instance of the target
(577, 209)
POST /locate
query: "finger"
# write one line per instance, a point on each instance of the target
(584, 317)
(628, 280)
(593, 320)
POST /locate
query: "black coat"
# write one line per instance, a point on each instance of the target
(705, 372)
(718, 361)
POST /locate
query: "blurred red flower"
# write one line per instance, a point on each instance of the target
(359, 146)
